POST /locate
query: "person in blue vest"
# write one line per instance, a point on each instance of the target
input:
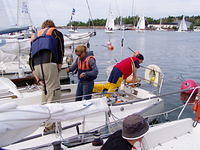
(46, 57)
(86, 67)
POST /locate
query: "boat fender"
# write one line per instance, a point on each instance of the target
(188, 84)
(152, 75)
(110, 46)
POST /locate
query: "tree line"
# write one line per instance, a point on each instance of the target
(195, 20)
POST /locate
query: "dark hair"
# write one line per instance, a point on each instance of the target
(48, 23)
(140, 56)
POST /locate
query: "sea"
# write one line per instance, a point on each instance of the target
(176, 53)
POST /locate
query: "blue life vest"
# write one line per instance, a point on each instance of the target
(44, 40)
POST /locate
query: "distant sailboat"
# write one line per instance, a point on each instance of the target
(141, 24)
(182, 26)
(8, 23)
(110, 22)
(72, 29)
(160, 26)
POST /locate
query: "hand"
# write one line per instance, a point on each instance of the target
(36, 77)
(40, 82)
(82, 75)
(67, 70)
(59, 67)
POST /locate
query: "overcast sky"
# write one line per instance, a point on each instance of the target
(60, 10)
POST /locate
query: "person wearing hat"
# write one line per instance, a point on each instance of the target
(133, 130)
(121, 71)
(86, 67)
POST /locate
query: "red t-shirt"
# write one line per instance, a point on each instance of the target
(125, 66)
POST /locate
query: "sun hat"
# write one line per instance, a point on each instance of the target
(134, 127)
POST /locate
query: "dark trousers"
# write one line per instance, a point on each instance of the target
(84, 88)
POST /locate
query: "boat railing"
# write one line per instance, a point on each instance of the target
(188, 100)
(40, 135)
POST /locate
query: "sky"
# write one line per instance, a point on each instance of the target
(60, 10)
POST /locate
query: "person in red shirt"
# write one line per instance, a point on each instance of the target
(121, 71)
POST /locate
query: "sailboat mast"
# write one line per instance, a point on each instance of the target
(133, 8)
(17, 12)
(133, 12)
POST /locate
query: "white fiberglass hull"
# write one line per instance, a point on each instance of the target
(175, 135)
(91, 122)
(144, 107)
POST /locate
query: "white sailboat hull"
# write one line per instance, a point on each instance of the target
(91, 121)
(109, 31)
(175, 135)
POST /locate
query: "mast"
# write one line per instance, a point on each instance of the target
(133, 12)
(17, 13)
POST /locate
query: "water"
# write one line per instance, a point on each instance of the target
(177, 54)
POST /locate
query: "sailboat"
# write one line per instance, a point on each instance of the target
(87, 116)
(110, 25)
(8, 25)
(19, 48)
(13, 42)
(182, 26)
(110, 22)
(141, 25)
(160, 26)
(72, 28)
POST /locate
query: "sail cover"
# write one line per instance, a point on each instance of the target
(18, 122)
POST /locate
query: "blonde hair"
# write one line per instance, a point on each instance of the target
(48, 23)
(81, 48)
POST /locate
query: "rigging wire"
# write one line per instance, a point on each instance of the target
(91, 16)
(45, 9)
(133, 12)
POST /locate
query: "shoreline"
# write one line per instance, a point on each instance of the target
(81, 27)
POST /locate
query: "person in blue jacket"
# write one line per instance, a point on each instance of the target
(86, 67)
